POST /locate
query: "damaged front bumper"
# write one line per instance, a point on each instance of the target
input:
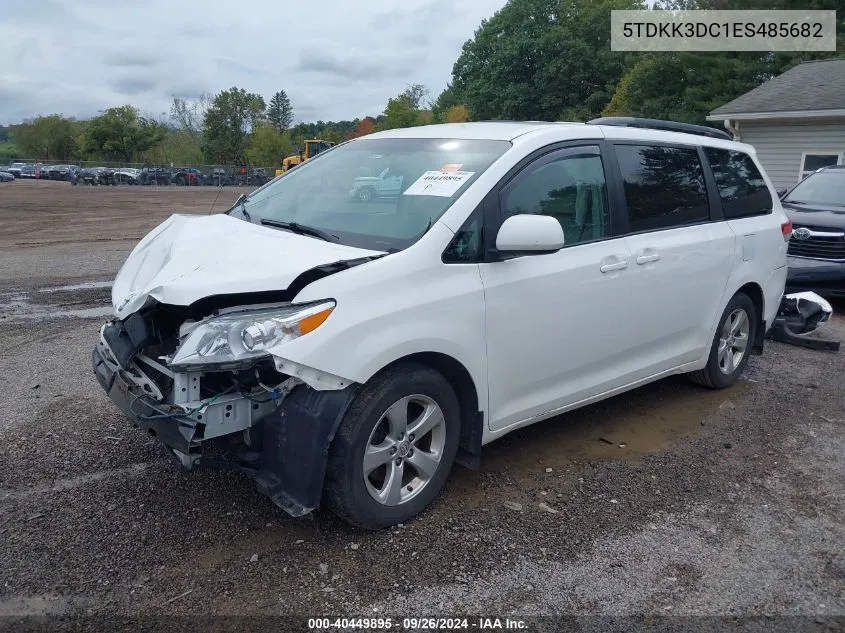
(281, 442)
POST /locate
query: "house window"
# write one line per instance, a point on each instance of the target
(811, 161)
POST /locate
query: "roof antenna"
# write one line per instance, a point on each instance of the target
(219, 189)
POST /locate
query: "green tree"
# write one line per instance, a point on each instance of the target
(122, 134)
(335, 131)
(280, 111)
(686, 86)
(51, 137)
(406, 109)
(541, 59)
(228, 122)
(268, 146)
(445, 100)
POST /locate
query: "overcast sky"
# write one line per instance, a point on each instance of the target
(337, 59)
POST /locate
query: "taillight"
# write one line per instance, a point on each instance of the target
(786, 229)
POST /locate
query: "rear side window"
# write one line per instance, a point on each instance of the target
(664, 186)
(741, 186)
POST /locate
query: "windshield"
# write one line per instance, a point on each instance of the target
(379, 194)
(826, 187)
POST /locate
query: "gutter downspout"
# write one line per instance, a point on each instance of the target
(734, 131)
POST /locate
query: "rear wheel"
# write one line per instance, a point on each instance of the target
(731, 345)
(394, 448)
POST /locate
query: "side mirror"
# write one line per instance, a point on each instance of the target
(529, 234)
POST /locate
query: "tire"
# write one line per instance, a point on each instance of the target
(351, 491)
(366, 194)
(737, 324)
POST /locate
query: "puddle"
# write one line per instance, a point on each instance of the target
(626, 427)
(23, 306)
(84, 313)
(89, 285)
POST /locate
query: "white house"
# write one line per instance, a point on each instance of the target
(796, 120)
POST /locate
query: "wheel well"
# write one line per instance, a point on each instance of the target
(472, 419)
(755, 293)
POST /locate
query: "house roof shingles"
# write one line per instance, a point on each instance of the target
(816, 85)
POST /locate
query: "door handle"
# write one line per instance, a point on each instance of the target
(645, 259)
(608, 268)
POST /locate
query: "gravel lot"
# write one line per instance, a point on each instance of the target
(670, 500)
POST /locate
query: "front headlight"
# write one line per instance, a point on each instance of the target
(249, 334)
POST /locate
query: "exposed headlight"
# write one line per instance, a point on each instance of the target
(249, 334)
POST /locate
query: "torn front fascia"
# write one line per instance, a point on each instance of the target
(295, 441)
(314, 378)
(125, 338)
(800, 314)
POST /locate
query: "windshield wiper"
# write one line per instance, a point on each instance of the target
(302, 229)
(244, 212)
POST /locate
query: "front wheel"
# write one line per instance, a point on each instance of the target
(731, 345)
(394, 448)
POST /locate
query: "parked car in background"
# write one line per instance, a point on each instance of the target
(347, 354)
(86, 176)
(5, 176)
(816, 207)
(258, 176)
(217, 177)
(156, 175)
(15, 169)
(106, 176)
(185, 176)
(127, 176)
(58, 172)
(31, 171)
(95, 176)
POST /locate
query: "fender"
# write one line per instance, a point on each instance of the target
(295, 441)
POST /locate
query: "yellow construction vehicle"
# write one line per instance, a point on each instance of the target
(313, 147)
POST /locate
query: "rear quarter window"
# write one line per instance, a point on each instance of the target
(664, 186)
(741, 186)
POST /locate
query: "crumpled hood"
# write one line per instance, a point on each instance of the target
(189, 257)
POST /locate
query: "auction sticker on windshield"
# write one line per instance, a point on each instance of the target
(438, 183)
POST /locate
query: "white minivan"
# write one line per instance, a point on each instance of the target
(346, 352)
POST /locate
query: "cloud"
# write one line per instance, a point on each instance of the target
(357, 66)
(335, 59)
(132, 85)
(133, 59)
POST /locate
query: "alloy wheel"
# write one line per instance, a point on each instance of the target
(404, 450)
(733, 341)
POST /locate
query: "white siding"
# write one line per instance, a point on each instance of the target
(780, 145)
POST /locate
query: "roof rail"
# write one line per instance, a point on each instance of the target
(658, 124)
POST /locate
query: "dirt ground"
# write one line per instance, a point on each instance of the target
(670, 501)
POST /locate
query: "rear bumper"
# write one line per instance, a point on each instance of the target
(824, 277)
